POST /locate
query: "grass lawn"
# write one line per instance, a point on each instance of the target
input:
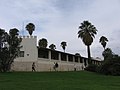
(82, 80)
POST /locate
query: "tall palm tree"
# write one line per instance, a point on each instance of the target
(103, 41)
(87, 32)
(52, 46)
(43, 43)
(30, 27)
(63, 45)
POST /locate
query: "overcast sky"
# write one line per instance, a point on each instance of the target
(58, 20)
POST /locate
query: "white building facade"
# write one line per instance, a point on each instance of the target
(45, 58)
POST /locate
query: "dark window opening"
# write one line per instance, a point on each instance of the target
(63, 57)
(54, 55)
(81, 60)
(76, 58)
(43, 53)
(70, 58)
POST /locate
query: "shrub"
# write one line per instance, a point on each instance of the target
(92, 68)
(110, 66)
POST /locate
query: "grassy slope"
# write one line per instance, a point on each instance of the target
(58, 81)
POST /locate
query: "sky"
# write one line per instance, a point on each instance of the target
(58, 20)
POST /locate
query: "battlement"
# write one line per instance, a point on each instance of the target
(27, 36)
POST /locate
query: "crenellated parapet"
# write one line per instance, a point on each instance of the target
(27, 36)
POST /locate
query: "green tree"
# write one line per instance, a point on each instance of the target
(3, 50)
(2, 34)
(103, 41)
(111, 64)
(87, 32)
(43, 43)
(52, 46)
(63, 45)
(30, 27)
(107, 53)
(10, 49)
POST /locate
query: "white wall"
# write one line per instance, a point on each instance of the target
(29, 46)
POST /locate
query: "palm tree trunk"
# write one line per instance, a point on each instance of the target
(104, 48)
(89, 55)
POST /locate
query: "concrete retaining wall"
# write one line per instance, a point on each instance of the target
(45, 65)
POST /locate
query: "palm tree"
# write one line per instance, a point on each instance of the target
(103, 41)
(63, 45)
(43, 43)
(52, 46)
(87, 33)
(30, 27)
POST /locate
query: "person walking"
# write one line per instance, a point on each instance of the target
(33, 67)
(55, 66)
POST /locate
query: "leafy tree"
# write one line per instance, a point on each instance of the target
(87, 33)
(2, 34)
(43, 43)
(10, 49)
(103, 41)
(3, 50)
(107, 53)
(63, 45)
(111, 65)
(52, 46)
(91, 68)
(30, 27)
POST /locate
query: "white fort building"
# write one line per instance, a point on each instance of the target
(45, 58)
